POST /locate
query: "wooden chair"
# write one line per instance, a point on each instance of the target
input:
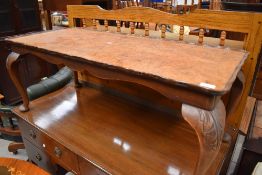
(250, 26)
(8, 126)
(120, 4)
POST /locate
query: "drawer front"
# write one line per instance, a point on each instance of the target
(30, 133)
(58, 153)
(39, 157)
(61, 154)
(86, 168)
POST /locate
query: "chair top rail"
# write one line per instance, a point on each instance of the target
(220, 20)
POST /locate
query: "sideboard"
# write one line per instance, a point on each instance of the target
(89, 130)
(171, 76)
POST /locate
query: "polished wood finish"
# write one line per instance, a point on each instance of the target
(18, 167)
(87, 168)
(123, 114)
(119, 136)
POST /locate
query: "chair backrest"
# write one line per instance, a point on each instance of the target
(249, 24)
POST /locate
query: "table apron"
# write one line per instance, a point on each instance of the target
(186, 95)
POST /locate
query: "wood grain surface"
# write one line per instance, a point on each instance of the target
(120, 136)
(176, 62)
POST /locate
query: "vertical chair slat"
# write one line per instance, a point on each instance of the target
(222, 38)
(181, 33)
(146, 29)
(163, 31)
(106, 24)
(118, 26)
(84, 22)
(201, 36)
(94, 24)
(132, 27)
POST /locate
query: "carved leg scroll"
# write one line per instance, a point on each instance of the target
(209, 127)
(12, 67)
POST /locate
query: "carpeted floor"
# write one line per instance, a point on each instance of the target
(5, 153)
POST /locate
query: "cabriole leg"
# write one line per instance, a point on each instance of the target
(12, 68)
(209, 127)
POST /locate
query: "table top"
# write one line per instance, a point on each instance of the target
(179, 63)
(19, 167)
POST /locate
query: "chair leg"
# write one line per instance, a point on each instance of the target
(14, 146)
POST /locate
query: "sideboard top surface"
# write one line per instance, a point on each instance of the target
(203, 67)
(120, 136)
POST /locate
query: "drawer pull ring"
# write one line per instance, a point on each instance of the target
(57, 152)
(38, 157)
(32, 134)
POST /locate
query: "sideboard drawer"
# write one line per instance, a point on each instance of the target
(58, 152)
(61, 154)
(39, 157)
(30, 133)
(86, 168)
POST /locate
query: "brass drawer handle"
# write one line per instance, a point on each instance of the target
(38, 157)
(57, 152)
(32, 134)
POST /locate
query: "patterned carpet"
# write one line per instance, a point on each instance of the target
(5, 153)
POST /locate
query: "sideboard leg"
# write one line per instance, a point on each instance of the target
(209, 127)
(12, 68)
